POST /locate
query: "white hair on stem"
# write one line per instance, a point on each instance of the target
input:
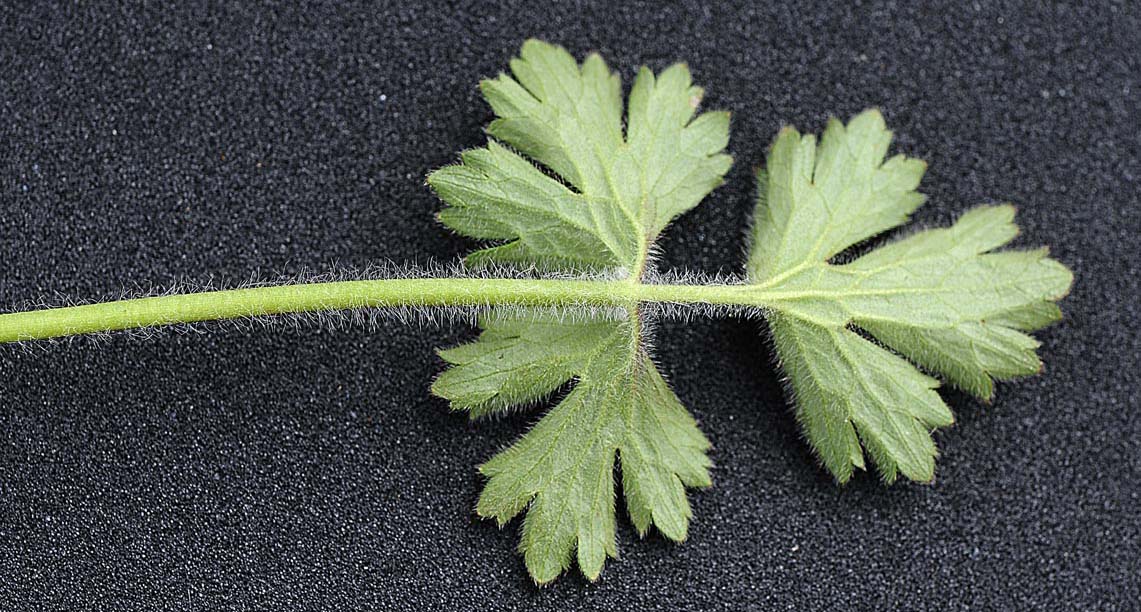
(370, 318)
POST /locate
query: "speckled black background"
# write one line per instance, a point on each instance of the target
(244, 469)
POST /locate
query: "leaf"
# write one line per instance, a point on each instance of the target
(613, 193)
(568, 183)
(562, 185)
(562, 471)
(603, 200)
(941, 298)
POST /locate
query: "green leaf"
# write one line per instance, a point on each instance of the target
(941, 298)
(562, 185)
(613, 193)
(603, 200)
(562, 471)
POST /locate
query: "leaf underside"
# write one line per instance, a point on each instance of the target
(941, 298)
(606, 194)
(570, 182)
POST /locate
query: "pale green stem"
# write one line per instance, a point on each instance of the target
(313, 297)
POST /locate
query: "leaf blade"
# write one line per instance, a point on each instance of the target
(942, 298)
(618, 190)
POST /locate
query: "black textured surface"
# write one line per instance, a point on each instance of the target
(270, 469)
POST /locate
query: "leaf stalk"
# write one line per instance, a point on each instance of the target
(347, 295)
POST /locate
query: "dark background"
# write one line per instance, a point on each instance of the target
(251, 468)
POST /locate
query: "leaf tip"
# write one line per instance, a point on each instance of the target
(696, 95)
(874, 111)
(535, 45)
